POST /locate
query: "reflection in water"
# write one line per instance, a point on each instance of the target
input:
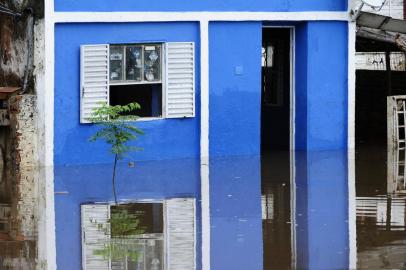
(381, 232)
(259, 219)
(16, 253)
(132, 237)
(381, 212)
(156, 228)
(270, 225)
(384, 212)
(276, 219)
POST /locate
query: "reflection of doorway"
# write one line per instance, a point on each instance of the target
(278, 239)
(276, 212)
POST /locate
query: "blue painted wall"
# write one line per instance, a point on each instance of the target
(321, 85)
(235, 88)
(200, 5)
(87, 184)
(169, 138)
(301, 85)
(321, 90)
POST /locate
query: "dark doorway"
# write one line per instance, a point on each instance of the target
(275, 119)
(275, 147)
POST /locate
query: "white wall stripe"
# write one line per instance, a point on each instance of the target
(352, 225)
(351, 84)
(204, 143)
(46, 223)
(70, 17)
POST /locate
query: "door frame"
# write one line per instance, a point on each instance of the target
(292, 132)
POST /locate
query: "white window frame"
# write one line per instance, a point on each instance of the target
(162, 81)
(178, 79)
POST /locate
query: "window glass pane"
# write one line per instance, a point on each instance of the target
(116, 63)
(134, 63)
(152, 62)
(267, 56)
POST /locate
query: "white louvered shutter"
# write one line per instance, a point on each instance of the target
(181, 233)
(94, 78)
(180, 80)
(94, 218)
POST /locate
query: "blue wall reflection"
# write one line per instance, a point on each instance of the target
(236, 228)
(322, 210)
(76, 185)
(320, 206)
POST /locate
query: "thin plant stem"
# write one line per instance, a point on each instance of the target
(114, 179)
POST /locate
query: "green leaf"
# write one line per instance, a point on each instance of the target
(115, 127)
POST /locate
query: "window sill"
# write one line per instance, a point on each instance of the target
(146, 119)
(118, 83)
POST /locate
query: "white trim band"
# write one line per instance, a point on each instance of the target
(88, 17)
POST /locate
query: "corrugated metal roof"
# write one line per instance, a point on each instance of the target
(380, 22)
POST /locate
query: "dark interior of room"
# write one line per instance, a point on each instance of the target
(372, 89)
(149, 96)
(275, 112)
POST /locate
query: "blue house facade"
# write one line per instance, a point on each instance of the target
(197, 68)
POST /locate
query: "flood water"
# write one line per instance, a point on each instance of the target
(303, 210)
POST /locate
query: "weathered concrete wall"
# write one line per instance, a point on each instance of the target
(21, 65)
(23, 167)
(14, 36)
(17, 255)
(18, 250)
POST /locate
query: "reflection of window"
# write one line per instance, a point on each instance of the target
(142, 236)
(383, 211)
(159, 76)
(267, 206)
